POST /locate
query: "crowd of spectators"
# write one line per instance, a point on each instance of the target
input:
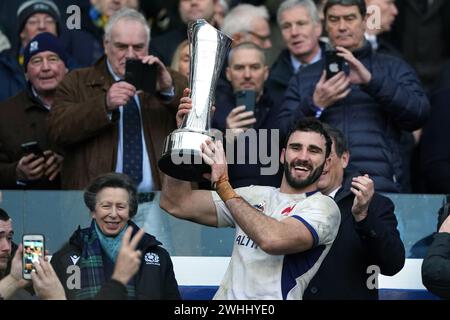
(64, 87)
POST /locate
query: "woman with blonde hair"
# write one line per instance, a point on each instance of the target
(181, 59)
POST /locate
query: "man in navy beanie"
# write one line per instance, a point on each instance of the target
(23, 119)
(44, 42)
(32, 17)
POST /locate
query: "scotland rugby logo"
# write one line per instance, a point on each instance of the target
(34, 46)
(151, 258)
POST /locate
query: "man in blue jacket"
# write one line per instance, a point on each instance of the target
(371, 101)
(368, 242)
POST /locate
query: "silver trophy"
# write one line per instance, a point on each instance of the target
(181, 155)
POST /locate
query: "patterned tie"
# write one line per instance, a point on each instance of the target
(132, 141)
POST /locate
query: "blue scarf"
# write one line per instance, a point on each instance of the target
(110, 245)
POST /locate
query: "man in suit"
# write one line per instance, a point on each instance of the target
(371, 99)
(368, 240)
(105, 125)
(301, 28)
(23, 119)
(87, 120)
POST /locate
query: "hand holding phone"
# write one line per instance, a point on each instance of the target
(239, 120)
(141, 75)
(32, 147)
(33, 247)
(246, 98)
(333, 63)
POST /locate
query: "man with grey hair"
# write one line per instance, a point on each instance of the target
(104, 124)
(165, 45)
(34, 17)
(370, 100)
(301, 28)
(248, 23)
(244, 23)
(221, 9)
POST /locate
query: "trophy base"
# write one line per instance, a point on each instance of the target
(181, 156)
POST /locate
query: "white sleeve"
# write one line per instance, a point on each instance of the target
(224, 218)
(321, 215)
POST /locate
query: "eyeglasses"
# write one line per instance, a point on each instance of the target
(260, 37)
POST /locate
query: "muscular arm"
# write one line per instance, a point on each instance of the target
(178, 198)
(272, 236)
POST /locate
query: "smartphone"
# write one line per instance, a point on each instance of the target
(246, 98)
(33, 246)
(141, 75)
(333, 63)
(32, 147)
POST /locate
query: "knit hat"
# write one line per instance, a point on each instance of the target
(31, 7)
(44, 42)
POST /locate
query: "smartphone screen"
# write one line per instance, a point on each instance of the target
(141, 75)
(333, 63)
(33, 248)
(246, 98)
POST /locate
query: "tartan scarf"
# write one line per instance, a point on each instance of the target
(110, 245)
(91, 266)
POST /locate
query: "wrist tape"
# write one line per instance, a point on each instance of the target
(225, 190)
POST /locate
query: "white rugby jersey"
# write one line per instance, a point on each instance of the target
(254, 274)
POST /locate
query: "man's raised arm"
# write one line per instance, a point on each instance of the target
(178, 197)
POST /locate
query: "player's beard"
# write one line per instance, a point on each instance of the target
(302, 183)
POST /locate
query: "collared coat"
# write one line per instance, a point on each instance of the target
(22, 119)
(360, 250)
(371, 117)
